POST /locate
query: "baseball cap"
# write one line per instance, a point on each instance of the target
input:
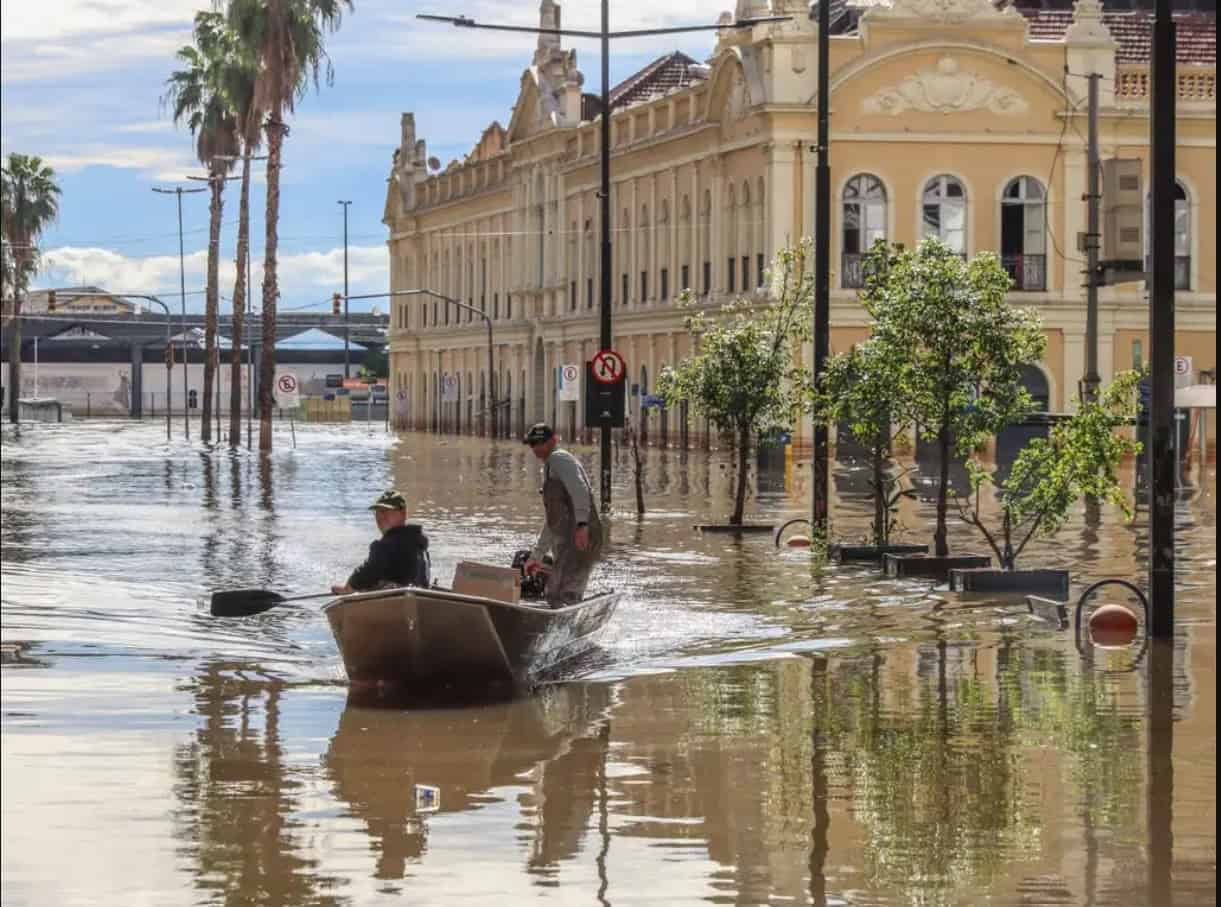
(390, 500)
(538, 433)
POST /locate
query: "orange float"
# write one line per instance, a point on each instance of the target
(798, 541)
(1113, 626)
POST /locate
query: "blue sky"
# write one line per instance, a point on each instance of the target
(81, 83)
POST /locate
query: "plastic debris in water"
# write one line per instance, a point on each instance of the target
(427, 798)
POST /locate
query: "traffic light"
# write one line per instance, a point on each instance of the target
(193, 399)
(335, 304)
(50, 302)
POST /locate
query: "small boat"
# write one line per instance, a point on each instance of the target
(428, 639)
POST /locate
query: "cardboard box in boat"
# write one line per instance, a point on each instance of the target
(503, 584)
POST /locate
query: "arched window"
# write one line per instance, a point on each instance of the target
(1182, 236)
(1023, 233)
(731, 237)
(686, 236)
(591, 263)
(625, 231)
(745, 234)
(663, 251)
(643, 249)
(945, 212)
(760, 236)
(706, 243)
(864, 224)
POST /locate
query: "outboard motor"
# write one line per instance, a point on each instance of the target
(533, 588)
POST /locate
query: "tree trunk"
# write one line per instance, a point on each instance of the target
(14, 352)
(739, 504)
(943, 487)
(881, 531)
(239, 307)
(267, 358)
(638, 473)
(212, 303)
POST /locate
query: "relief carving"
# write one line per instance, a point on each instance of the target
(947, 89)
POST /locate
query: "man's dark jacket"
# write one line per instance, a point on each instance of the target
(398, 558)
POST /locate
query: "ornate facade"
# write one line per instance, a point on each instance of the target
(954, 118)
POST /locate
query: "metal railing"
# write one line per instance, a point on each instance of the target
(1029, 272)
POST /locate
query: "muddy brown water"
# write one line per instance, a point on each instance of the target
(752, 730)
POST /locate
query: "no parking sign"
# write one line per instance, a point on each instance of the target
(287, 390)
(570, 383)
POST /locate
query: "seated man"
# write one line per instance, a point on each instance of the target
(398, 558)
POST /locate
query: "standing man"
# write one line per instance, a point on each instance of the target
(398, 558)
(571, 531)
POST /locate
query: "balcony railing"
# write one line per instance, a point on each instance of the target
(852, 273)
(1029, 272)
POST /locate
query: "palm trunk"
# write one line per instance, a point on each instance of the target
(267, 358)
(239, 307)
(14, 354)
(739, 504)
(212, 304)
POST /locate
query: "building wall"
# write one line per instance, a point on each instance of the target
(725, 170)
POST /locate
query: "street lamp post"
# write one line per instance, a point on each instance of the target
(169, 357)
(492, 407)
(182, 280)
(347, 356)
(604, 36)
(822, 269)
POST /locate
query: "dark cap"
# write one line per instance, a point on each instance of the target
(538, 433)
(390, 500)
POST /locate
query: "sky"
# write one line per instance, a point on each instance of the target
(81, 85)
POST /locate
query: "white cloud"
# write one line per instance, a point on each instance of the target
(306, 278)
(159, 163)
(34, 61)
(75, 18)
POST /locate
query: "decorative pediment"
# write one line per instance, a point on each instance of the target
(939, 10)
(736, 86)
(946, 89)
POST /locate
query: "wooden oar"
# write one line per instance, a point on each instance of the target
(248, 602)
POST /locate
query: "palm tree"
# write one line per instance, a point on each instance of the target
(240, 76)
(286, 38)
(199, 94)
(29, 203)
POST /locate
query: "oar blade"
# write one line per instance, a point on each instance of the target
(244, 602)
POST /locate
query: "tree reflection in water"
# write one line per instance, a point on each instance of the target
(237, 797)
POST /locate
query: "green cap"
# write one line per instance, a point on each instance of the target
(538, 433)
(390, 500)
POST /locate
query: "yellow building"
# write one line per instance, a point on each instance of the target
(954, 118)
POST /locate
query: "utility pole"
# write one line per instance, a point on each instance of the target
(603, 36)
(347, 355)
(1162, 454)
(182, 283)
(1093, 196)
(820, 506)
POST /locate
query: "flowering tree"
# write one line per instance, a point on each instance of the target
(954, 348)
(745, 378)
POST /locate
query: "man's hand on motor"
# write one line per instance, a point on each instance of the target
(532, 567)
(580, 538)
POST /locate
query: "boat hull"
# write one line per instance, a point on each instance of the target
(432, 639)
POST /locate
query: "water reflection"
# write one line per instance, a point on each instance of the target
(237, 796)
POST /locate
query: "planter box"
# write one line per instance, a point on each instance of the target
(736, 530)
(913, 566)
(870, 554)
(984, 579)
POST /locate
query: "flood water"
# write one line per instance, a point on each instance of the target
(754, 729)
